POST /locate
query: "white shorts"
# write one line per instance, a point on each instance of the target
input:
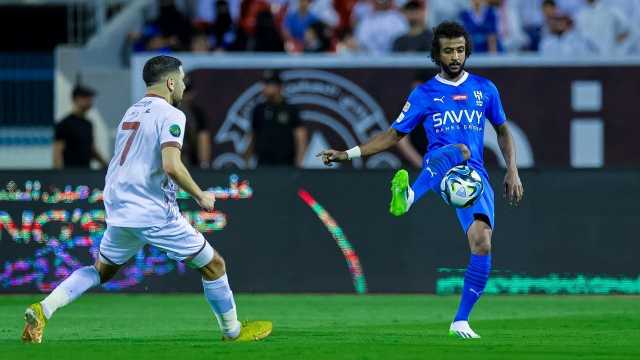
(177, 238)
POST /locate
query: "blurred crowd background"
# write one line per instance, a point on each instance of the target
(68, 53)
(550, 27)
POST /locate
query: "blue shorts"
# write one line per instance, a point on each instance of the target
(482, 206)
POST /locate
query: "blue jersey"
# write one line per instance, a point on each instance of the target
(453, 113)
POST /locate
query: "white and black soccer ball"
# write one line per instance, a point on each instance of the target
(461, 186)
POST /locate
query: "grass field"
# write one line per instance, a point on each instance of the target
(331, 327)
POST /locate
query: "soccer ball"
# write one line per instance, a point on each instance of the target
(461, 186)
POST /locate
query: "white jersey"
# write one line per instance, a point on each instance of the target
(137, 192)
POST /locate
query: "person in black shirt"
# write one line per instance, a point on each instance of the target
(278, 137)
(74, 146)
(196, 147)
(418, 39)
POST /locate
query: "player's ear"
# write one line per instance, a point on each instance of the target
(171, 83)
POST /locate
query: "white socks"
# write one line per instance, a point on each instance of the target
(70, 289)
(410, 197)
(220, 297)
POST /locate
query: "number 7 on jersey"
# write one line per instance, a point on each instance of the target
(129, 125)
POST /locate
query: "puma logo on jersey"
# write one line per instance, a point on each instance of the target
(441, 99)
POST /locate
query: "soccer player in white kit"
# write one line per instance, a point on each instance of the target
(141, 208)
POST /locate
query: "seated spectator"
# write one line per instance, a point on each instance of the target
(317, 38)
(73, 146)
(510, 29)
(530, 13)
(200, 43)
(418, 39)
(296, 24)
(224, 34)
(482, 24)
(347, 44)
(558, 38)
(376, 32)
(445, 10)
(603, 27)
(266, 37)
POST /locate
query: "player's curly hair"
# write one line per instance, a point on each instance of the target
(448, 30)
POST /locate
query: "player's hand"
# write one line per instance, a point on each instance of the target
(330, 156)
(207, 200)
(513, 189)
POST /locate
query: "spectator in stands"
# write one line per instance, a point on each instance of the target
(208, 10)
(631, 9)
(325, 12)
(510, 30)
(200, 43)
(482, 24)
(347, 43)
(196, 147)
(530, 12)
(418, 38)
(266, 37)
(73, 146)
(173, 25)
(376, 32)
(278, 137)
(604, 28)
(317, 38)
(559, 39)
(225, 36)
(445, 10)
(296, 24)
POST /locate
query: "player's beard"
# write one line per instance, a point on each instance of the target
(453, 74)
(175, 102)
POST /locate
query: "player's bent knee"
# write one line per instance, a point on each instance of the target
(480, 238)
(203, 257)
(106, 271)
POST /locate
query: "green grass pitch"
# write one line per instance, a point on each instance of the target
(182, 327)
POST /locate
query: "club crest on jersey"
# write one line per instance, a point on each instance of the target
(174, 130)
(460, 97)
(406, 106)
(479, 97)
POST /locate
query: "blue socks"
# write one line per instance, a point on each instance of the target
(435, 167)
(475, 279)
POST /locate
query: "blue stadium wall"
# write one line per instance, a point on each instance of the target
(284, 230)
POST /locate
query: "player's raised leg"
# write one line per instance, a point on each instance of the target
(475, 278)
(219, 295)
(435, 167)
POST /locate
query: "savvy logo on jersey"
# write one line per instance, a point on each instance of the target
(467, 118)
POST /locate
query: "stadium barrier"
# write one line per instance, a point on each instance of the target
(285, 230)
(564, 113)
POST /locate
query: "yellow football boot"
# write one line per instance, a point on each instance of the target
(35, 321)
(252, 331)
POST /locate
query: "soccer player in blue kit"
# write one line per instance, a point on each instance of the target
(453, 107)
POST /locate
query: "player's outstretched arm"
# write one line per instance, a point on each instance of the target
(513, 189)
(175, 169)
(378, 143)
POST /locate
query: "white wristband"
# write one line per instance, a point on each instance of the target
(354, 152)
